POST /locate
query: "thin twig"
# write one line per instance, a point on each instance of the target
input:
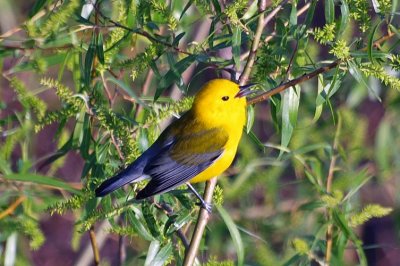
(12, 207)
(169, 212)
(96, 253)
(266, 21)
(329, 181)
(292, 83)
(305, 77)
(257, 36)
(204, 216)
(140, 32)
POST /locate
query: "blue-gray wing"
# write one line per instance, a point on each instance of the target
(184, 158)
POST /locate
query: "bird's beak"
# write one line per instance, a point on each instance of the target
(245, 90)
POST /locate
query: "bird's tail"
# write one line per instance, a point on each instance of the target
(124, 177)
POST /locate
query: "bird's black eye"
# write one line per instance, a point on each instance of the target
(225, 98)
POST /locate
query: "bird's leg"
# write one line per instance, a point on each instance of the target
(203, 203)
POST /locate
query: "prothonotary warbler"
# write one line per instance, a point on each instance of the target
(198, 146)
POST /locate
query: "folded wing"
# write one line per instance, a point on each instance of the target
(187, 156)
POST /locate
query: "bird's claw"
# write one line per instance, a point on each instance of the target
(207, 206)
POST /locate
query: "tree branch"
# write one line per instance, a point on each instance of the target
(12, 207)
(202, 220)
(292, 83)
(96, 253)
(329, 180)
(257, 36)
(140, 32)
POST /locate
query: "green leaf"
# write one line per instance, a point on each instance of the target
(320, 99)
(152, 251)
(383, 145)
(42, 180)
(236, 43)
(178, 38)
(250, 118)
(90, 54)
(341, 223)
(290, 106)
(86, 130)
(99, 48)
(344, 20)
(157, 256)
(235, 234)
(137, 223)
(329, 11)
(187, 6)
(174, 74)
(176, 222)
(356, 73)
(293, 14)
(150, 220)
(371, 42)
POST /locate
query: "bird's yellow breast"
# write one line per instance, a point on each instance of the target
(234, 130)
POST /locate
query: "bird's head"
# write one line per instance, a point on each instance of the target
(221, 101)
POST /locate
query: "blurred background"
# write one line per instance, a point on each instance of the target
(340, 127)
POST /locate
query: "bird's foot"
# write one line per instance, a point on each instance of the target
(205, 205)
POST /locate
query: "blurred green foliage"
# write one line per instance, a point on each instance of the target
(113, 72)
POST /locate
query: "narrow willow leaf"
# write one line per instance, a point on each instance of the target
(235, 234)
(86, 130)
(42, 180)
(320, 99)
(99, 48)
(90, 54)
(137, 223)
(187, 6)
(236, 42)
(250, 118)
(371, 42)
(344, 10)
(356, 73)
(341, 223)
(290, 106)
(383, 145)
(178, 38)
(175, 222)
(329, 11)
(293, 14)
(150, 220)
(162, 255)
(174, 74)
(152, 251)
(78, 130)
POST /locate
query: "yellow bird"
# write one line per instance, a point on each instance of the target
(199, 146)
